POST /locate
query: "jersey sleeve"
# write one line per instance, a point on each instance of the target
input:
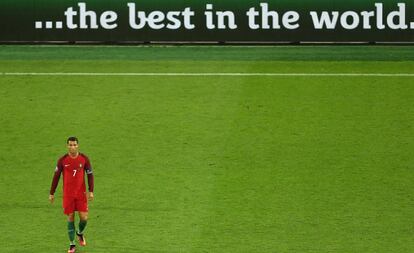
(56, 177)
(89, 173)
(88, 167)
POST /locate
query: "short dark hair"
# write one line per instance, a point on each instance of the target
(72, 138)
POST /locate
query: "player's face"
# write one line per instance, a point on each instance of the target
(73, 147)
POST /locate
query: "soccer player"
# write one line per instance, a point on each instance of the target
(74, 165)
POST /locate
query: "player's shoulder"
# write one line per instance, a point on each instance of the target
(84, 156)
(63, 157)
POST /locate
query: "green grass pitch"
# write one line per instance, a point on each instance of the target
(264, 164)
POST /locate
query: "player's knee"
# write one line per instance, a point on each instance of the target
(83, 216)
(71, 217)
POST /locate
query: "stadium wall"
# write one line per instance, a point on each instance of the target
(211, 21)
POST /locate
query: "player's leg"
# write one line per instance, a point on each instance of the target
(82, 207)
(68, 209)
(71, 232)
(83, 220)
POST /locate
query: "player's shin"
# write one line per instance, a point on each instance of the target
(82, 226)
(71, 232)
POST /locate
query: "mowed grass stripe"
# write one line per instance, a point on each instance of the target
(208, 53)
(209, 74)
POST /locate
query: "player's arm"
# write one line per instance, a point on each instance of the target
(89, 173)
(55, 182)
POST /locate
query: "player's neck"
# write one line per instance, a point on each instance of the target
(74, 155)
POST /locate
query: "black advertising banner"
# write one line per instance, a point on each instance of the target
(207, 21)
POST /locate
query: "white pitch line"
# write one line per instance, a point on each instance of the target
(206, 74)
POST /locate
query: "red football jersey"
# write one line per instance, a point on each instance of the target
(74, 170)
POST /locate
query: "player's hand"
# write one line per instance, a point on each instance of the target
(51, 198)
(90, 196)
